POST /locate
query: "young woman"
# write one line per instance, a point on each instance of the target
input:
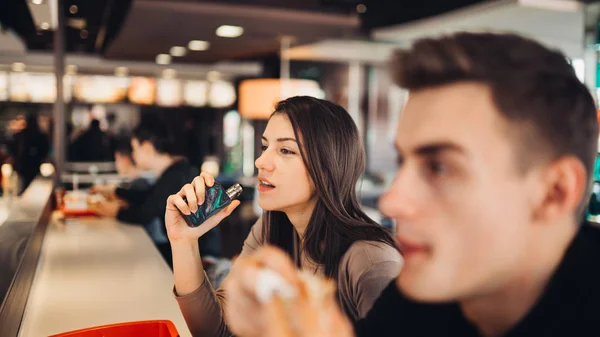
(311, 161)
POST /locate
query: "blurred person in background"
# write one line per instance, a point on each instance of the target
(496, 150)
(113, 132)
(134, 179)
(29, 149)
(312, 158)
(194, 143)
(152, 144)
(93, 145)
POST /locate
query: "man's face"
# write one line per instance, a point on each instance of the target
(123, 164)
(462, 207)
(142, 153)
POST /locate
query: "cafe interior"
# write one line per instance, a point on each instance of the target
(88, 72)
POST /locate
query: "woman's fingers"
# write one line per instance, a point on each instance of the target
(190, 196)
(176, 203)
(200, 189)
(209, 180)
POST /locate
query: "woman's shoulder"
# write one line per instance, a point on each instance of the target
(363, 255)
(373, 252)
(255, 238)
(367, 268)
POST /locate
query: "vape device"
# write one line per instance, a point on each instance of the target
(215, 199)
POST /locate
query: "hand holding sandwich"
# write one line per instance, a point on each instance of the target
(267, 296)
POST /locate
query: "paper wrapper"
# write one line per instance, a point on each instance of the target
(296, 308)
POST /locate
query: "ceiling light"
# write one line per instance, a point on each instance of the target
(198, 45)
(44, 25)
(178, 51)
(71, 69)
(361, 8)
(121, 71)
(169, 73)
(84, 34)
(18, 66)
(230, 31)
(163, 59)
(37, 2)
(77, 23)
(73, 9)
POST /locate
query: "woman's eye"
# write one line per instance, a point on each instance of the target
(263, 148)
(286, 151)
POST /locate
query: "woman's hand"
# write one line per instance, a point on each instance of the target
(177, 228)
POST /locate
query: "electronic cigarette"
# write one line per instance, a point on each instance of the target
(216, 198)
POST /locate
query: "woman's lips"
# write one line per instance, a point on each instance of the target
(408, 247)
(264, 188)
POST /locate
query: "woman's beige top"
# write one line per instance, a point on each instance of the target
(364, 271)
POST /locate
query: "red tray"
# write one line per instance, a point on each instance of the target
(75, 213)
(156, 328)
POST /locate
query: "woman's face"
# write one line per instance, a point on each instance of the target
(283, 181)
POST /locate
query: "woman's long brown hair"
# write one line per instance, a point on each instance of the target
(334, 156)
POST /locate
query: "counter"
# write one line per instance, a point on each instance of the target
(23, 222)
(94, 272)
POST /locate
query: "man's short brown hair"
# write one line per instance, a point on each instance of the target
(535, 89)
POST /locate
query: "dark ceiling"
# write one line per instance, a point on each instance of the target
(150, 30)
(140, 29)
(104, 16)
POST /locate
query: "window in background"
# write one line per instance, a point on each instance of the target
(142, 90)
(18, 87)
(41, 87)
(100, 89)
(195, 93)
(221, 94)
(169, 92)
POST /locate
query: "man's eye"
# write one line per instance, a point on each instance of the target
(399, 161)
(437, 168)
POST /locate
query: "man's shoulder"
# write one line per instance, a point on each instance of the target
(591, 230)
(418, 319)
(174, 177)
(584, 260)
(584, 252)
(573, 294)
(181, 169)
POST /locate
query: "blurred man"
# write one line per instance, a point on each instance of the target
(496, 148)
(29, 149)
(152, 145)
(93, 145)
(126, 167)
(135, 179)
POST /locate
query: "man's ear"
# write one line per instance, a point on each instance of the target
(147, 146)
(563, 184)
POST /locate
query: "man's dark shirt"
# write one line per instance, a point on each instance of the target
(147, 207)
(570, 305)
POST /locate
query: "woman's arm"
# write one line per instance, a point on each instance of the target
(201, 305)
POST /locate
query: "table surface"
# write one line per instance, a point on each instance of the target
(95, 272)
